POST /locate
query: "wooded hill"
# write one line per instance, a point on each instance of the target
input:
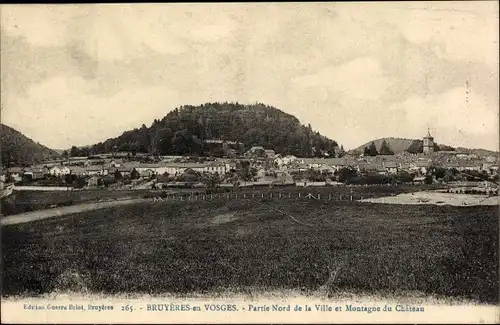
(184, 129)
(17, 149)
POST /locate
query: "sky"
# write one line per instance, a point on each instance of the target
(79, 74)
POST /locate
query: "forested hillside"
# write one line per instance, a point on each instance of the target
(183, 130)
(17, 149)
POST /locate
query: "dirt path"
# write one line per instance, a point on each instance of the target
(61, 211)
(437, 198)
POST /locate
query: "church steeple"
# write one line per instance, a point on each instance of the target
(428, 142)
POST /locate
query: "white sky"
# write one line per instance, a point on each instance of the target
(79, 74)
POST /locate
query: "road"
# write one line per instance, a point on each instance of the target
(61, 211)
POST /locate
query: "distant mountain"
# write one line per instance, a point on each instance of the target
(183, 131)
(479, 152)
(17, 149)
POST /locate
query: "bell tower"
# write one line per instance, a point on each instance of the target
(428, 143)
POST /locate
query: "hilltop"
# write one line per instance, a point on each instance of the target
(184, 129)
(18, 149)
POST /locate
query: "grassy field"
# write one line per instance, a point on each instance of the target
(248, 245)
(26, 201)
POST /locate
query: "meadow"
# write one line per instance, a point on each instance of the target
(256, 245)
(26, 201)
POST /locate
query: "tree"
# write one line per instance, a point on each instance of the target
(341, 152)
(439, 172)
(428, 179)
(118, 175)
(346, 174)
(366, 152)
(416, 147)
(134, 174)
(65, 154)
(385, 149)
(372, 150)
(404, 177)
(74, 151)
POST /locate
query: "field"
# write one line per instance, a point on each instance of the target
(258, 245)
(26, 201)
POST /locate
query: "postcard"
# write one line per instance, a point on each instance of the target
(331, 162)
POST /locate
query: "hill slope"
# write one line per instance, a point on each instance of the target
(182, 131)
(398, 145)
(17, 149)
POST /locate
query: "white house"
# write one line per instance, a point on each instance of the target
(469, 166)
(179, 168)
(420, 166)
(59, 171)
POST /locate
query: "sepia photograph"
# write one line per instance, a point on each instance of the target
(250, 162)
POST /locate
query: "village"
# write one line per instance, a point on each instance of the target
(257, 166)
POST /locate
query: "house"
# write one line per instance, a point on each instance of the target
(381, 170)
(78, 171)
(339, 163)
(419, 180)
(65, 170)
(59, 171)
(55, 171)
(469, 166)
(148, 173)
(391, 167)
(284, 161)
(45, 170)
(421, 166)
(33, 174)
(404, 166)
(116, 163)
(95, 170)
(261, 172)
(159, 169)
(94, 181)
(256, 151)
(367, 168)
(269, 153)
(318, 163)
(216, 168)
(231, 152)
(124, 171)
(16, 173)
(302, 167)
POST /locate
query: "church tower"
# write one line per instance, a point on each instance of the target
(428, 143)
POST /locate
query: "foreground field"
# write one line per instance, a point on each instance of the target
(258, 245)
